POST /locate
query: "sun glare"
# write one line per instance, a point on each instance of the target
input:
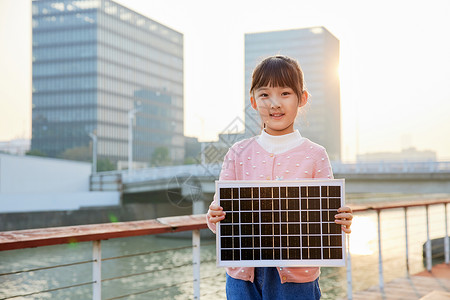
(363, 234)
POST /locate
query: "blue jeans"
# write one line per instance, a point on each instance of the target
(267, 285)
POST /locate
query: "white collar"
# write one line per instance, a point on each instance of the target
(279, 143)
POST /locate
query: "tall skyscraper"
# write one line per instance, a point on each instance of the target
(317, 51)
(95, 63)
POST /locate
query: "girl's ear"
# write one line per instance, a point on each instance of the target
(303, 99)
(253, 101)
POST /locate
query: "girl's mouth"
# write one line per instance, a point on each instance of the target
(276, 116)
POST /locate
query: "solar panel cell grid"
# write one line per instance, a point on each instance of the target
(280, 223)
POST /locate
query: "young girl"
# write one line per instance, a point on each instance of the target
(280, 152)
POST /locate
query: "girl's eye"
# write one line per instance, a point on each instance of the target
(286, 93)
(263, 95)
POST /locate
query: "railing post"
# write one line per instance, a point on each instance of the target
(446, 250)
(380, 259)
(406, 241)
(428, 244)
(196, 262)
(349, 271)
(97, 270)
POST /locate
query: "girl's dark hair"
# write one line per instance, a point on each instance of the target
(278, 71)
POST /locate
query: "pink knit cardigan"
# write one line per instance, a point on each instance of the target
(247, 160)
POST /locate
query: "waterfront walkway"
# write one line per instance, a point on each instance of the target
(434, 285)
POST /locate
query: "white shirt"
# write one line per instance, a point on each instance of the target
(279, 143)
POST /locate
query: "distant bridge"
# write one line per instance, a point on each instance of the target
(388, 177)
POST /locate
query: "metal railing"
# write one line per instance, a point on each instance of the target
(22, 239)
(391, 167)
(405, 206)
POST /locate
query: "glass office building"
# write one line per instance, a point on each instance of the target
(94, 61)
(317, 51)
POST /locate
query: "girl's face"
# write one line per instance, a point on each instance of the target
(278, 107)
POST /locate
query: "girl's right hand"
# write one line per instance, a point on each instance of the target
(215, 213)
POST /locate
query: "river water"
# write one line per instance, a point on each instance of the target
(168, 274)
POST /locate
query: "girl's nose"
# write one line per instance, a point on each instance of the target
(274, 103)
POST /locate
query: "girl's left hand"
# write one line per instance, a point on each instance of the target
(344, 217)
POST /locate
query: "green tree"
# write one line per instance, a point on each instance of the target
(160, 157)
(35, 152)
(189, 161)
(77, 153)
(104, 164)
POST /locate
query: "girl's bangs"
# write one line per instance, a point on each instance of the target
(276, 74)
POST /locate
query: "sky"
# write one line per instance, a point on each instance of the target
(394, 65)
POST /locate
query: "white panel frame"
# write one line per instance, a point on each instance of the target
(282, 262)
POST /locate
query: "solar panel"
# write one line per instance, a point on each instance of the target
(280, 223)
